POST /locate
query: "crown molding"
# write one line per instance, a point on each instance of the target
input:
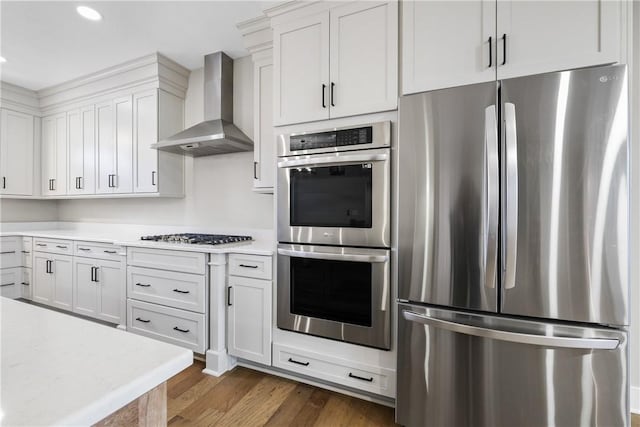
(19, 99)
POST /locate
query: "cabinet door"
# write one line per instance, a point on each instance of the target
(447, 44)
(111, 288)
(27, 283)
(10, 282)
(249, 319)
(54, 155)
(556, 35)
(81, 135)
(42, 279)
(301, 68)
(364, 58)
(85, 289)
(123, 115)
(264, 155)
(105, 148)
(62, 291)
(16, 153)
(145, 133)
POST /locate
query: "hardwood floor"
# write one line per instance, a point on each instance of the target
(244, 397)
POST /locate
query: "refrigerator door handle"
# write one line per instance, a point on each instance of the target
(492, 198)
(515, 337)
(511, 143)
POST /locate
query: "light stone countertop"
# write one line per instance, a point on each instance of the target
(62, 370)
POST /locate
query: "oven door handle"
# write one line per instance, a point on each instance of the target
(327, 160)
(334, 257)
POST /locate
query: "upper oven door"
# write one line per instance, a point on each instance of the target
(335, 199)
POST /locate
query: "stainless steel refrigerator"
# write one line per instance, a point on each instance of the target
(513, 252)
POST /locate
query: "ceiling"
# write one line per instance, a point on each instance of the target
(47, 42)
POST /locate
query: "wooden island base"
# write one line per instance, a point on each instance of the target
(149, 410)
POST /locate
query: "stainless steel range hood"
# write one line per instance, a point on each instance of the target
(217, 134)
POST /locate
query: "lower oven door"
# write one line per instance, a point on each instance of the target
(335, 198)
(335, 292)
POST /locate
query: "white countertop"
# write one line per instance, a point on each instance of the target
(61, 370)
(128, 235)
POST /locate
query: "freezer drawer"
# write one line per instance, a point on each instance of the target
(459, 369)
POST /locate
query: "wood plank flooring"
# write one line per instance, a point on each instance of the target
(244, 397)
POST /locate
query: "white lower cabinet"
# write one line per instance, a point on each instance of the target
(53, 280)
(99, 289)
(249, 319)
(179, 327)
(350, 373)
(10, 282)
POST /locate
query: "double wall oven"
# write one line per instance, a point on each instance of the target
(334, 234)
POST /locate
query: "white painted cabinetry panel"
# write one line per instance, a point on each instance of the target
(81, 130)
(105, 147)
(54, 155)
(264, 148)
(363, 58)
(16, 153)
(301, 69)
(123, 168)
(111, 282)
(85, 298)
(447, 43)
(145, 111)
(180, 290)
(558, 35)
(11, 282)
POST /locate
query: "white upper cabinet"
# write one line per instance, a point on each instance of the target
(114, 121)
(105, 147)
(447, 43)
(54, 155)
(16, 153)
(556, 35)
(264, 154)
(336, 63)
(301, 68)
(81, 136)
(455, 43)
(363, 58)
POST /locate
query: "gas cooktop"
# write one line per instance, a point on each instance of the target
(197, 239)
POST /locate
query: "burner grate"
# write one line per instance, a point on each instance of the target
(197, 239)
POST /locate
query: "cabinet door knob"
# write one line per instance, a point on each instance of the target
(229, 295)
(324, 87)
(333, 85)
(153, 178)
(504, 49)
(4, 182)
(255, 172)
(490, 52)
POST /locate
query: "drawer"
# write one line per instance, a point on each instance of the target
(373, 379)
(164, 259)
(255, 266)
(27, 252)
(64, 247)
(179, 290)
(10, 252)
(179, 327)
(11, 282)
(99, 250)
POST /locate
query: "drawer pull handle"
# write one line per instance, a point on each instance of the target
(248, 266)
(84, 249)
(142, 320)
(25, 252)
(298, 363)
(110, 252)
(25, 283)
(7, 252)
(175, 328)
(369, 380)
(61, 247)
(143, 285)
(41, 244)
(7, 284)
(180, 292)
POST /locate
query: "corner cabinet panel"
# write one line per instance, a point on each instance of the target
(16, 153)
(447, 44)
(364, 58)
(105, 148)
(54, 155)
(559, 35)
(264, 148)
(81, 137)
(249, 319)
(301, 68)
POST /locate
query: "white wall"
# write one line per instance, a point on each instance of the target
(16, 210)
(218, 188)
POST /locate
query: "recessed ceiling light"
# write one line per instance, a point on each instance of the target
(2, 59)
(90, 14)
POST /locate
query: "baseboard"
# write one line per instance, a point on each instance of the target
(635, 400)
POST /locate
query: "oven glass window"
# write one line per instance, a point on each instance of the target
(331, 290)
(333, 196)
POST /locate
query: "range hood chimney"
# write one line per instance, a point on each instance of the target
(216, 134)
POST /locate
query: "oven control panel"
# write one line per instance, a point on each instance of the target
(336, 138)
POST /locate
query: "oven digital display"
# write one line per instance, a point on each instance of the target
(338, 138)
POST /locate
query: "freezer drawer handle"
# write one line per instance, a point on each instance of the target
(298, 363)
(370, 379)
(333, 257)
(517, 337)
